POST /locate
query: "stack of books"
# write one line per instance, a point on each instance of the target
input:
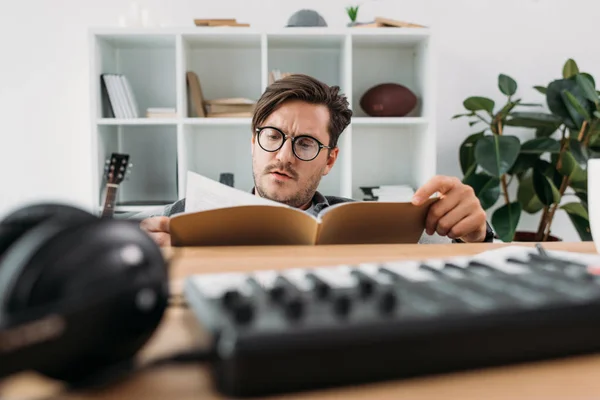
(229, 107)
(219, 22)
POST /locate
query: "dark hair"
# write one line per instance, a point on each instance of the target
(305, 88)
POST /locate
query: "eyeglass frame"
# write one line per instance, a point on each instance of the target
(293, 138)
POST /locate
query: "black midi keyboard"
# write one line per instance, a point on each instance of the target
(277, 331)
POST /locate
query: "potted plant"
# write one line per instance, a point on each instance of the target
(550, 168)
(352, 14)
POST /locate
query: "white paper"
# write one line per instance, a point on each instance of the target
(203, 193)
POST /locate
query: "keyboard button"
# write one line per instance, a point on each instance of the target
(342, 305)
(294, 308)
(243, 312)
(387, 302)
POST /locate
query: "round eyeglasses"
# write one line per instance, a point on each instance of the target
(305, 148)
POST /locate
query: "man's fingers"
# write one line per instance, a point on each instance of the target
(160, 238)
(440, 183)
(471, 228)
(156, 224)
(447, 222)
(438, 210)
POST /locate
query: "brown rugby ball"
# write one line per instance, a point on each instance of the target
(388, 100)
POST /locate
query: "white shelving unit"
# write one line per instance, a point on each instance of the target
(235, 62)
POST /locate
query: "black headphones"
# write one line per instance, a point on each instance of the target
(78, 293)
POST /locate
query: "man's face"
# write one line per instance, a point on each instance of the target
(279, 175)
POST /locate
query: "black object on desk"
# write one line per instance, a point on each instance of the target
(348, 324)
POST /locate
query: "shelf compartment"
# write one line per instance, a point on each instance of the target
(389, 155)
(216, 149)
(228, 65)
(148, 63)
(391, 58)
(320, 56)
(153, 155)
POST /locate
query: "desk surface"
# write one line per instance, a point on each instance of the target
(571, 378)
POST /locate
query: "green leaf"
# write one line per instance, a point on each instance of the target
(590, 77)
(570, 69)
(476, 103)
(507, 85)
(455, 116)
(549, 170)
(523, 163)
(526, 195)
(540, 89)
(570, 167)
(545, 131)
(545, 189)
(563, 109)
(534, 120)
(580, 219)
(471, 123)
(496, 154)
(540, 146)
(579, 152)
(505, 220)
(588, 88)
(467, 153)
(576, 209)
(577, 107)
(582, 195)
(597, 114)
(487, 188)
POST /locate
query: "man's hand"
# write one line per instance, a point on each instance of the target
(457, 214)
(158, 229)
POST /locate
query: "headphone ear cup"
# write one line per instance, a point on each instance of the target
(84, 262)
(24, 219)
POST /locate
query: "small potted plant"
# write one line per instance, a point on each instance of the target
(550, 169)
(352, 14)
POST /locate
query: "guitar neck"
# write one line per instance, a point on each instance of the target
(110, 198)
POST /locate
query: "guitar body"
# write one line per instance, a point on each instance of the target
(115, 170)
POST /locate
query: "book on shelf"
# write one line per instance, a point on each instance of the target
(117, 96)
(161, 112)
(219, 22)
(216, 214)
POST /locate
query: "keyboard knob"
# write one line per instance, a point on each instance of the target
(277, 292)
(342, 305)
(230, 297)
(322, 289)
(243, 312)
(366, 284)
(294, 308)
(387, 302)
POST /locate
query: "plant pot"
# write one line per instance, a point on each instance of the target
(524, 236)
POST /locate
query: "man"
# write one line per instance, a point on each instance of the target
(295, 131)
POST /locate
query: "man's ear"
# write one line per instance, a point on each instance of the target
(331, 160)
(252, 140)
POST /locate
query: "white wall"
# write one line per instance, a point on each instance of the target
(44, 135)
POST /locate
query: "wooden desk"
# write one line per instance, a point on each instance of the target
(573, 378)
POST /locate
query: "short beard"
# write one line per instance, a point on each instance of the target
(297, 200)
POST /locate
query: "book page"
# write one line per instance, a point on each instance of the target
(203, 193)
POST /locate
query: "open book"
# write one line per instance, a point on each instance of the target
(217, 215)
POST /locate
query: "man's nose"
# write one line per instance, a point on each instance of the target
(286, 153)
